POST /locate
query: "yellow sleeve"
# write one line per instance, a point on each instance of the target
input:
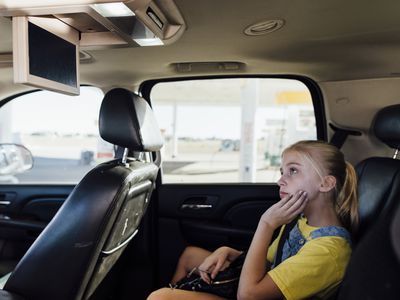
(316, 269)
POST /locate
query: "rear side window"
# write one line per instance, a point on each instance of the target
(60, 131)
(230, 130)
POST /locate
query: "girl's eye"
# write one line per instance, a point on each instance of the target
(292, 171)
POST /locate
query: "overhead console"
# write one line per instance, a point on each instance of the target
(131, 23)
(49, 34)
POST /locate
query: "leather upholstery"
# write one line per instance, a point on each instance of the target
(378, 187)
(4, 295)
(92, 228)
(374, 267)
(395, 233)
(387, 126)
(127, 120)
(379, 177)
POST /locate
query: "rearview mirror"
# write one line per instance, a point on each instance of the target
(14, 159)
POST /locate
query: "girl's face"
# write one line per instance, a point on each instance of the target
(297, 174)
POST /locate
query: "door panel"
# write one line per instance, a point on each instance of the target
(25, 210)
(208, 216)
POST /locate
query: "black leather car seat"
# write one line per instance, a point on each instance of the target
(379, 177)
(102, 214)
(374, 268)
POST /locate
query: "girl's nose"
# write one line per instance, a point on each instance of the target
(281, 181)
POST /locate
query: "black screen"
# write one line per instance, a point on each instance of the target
(51, 57)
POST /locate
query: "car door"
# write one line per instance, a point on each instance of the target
(25, 210)
(221, 159)
(61, 133)
(208, 216)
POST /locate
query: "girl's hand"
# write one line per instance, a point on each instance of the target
(215, 262)
(285, 210)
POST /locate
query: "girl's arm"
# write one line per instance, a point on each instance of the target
(254, 282)
(217, 261)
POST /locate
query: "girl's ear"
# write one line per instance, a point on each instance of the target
(328, 183)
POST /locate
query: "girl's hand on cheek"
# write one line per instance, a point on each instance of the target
(285, 210)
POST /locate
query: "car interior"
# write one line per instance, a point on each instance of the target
(176, 113)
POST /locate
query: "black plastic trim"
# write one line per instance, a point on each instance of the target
(315, 91)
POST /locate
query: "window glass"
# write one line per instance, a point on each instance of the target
(60, 131)
(230, 130)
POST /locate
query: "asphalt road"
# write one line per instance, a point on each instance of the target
(53, 170)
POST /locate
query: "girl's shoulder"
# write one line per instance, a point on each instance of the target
(331, 231)
(312, 232)
(336, 247)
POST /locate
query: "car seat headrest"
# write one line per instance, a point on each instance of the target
(127, 120)
(387, 126)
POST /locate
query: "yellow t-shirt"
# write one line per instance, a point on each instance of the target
(316, 270)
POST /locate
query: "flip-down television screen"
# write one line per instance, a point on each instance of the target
(46, 54)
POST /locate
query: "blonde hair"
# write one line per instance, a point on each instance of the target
(329, 160)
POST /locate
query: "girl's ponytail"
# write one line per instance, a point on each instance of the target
(347, 201)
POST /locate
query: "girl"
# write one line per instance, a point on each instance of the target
(315, 182)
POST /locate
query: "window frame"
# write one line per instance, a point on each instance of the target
(315, 92)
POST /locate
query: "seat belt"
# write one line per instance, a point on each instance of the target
(285, 234)
(340, 135)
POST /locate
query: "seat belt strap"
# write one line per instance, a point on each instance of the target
(340, 135)
(288, 228)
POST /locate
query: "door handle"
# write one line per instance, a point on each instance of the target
(199, 202)
(6, 198)
(196, 206)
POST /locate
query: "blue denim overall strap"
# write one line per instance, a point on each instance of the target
(296, 240)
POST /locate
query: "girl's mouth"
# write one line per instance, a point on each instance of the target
(283, 194)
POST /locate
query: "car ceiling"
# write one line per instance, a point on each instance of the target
(323, 40)
(327, 41)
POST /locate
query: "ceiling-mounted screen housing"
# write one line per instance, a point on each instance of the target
(115, 23)
(46, 54)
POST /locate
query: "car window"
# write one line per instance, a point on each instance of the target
(230, 130)
(60, 131)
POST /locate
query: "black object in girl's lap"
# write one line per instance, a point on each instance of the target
(225, 284)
